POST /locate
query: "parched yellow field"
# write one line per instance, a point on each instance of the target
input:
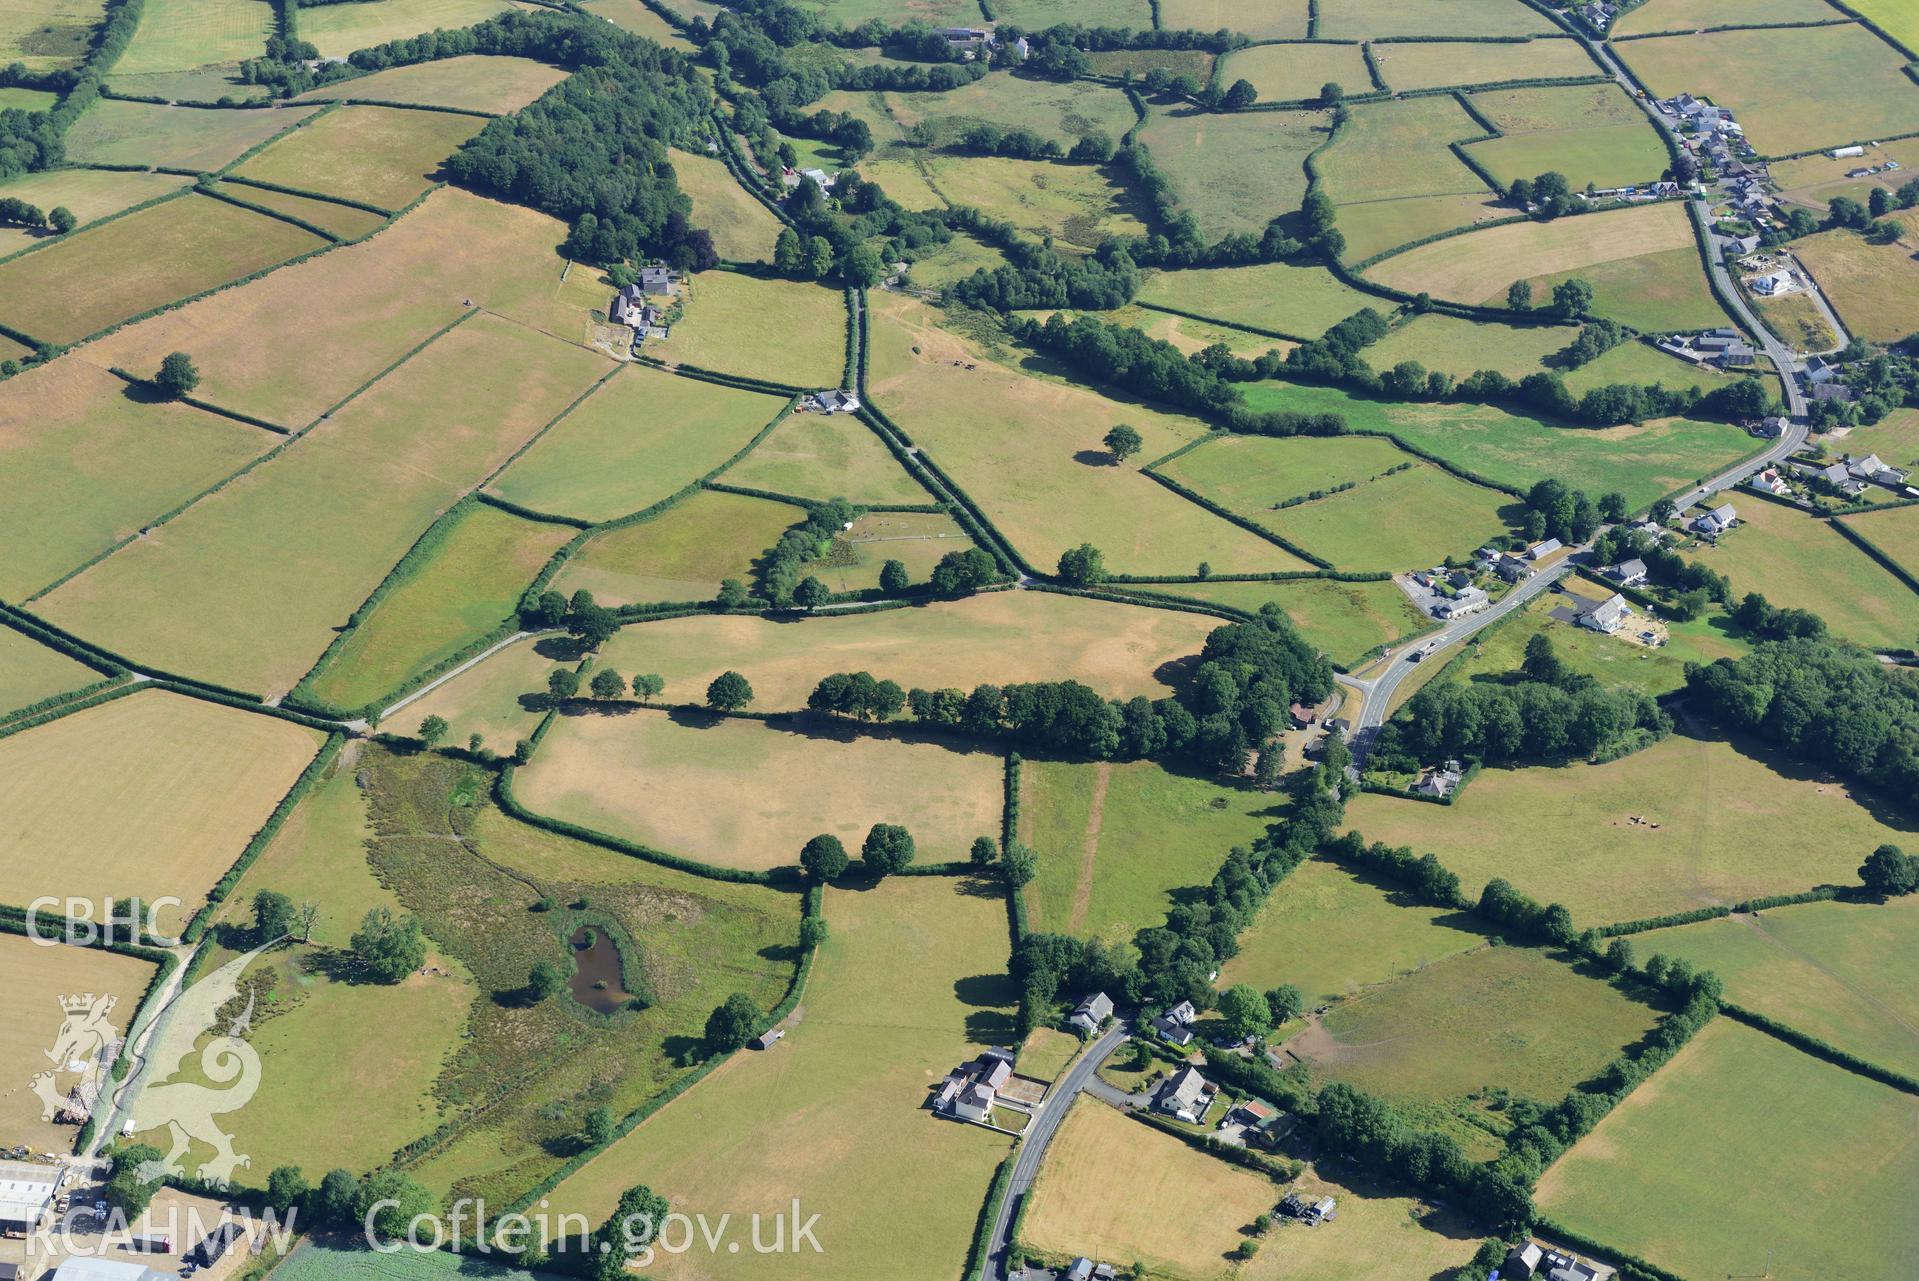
(780, 330)
(1354, 19)
(1874, 288)
(908, 983)
(1419, 65)
(88, 193)
(1479, 265)
(475, 82)
(30, 672)
(339, 29)
(1894, 532)
(826, 456)
(297, 544)
(1296, 72)
(383, 155)
(177, 35)
(1028, 450)
(1075, 204)
(743, 230)
(1260, 19)
(1693, 15)
(38, 979)
(152, 794)
(143, 133)
(1102, 1167)
(743, 794)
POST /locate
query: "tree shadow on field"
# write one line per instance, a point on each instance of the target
(143, 392)
(684, 1051)
(562, 649)
(1095, 458)
(982, 887)
(1176, 673)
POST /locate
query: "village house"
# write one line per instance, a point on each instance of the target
(1770, 428)
(1771, 482)
(837, 401)
(1773, 284)
(1820, 370)
(1835, 475)
(1185, 1095)
(1310, 1211)
(1442, 782)
(1176, 1025)
(1091, 1013)
(631, 308)
(1608, 617)
(1513, 569)
(1716, 522)
(1628, 573)
(1873, 469)
(1303, 717)
(1084, 1269)
(970, 1090)
(1470, 600)
(1834, 391)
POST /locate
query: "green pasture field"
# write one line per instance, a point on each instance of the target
(1295, 72)
(743, 231)
(1651, 292)
(294, 344)
(1895, 18)
(1616, 660)
(1260, 19)
(298, 544)
(153, 794)
(1874, 288)
(957, 259)
(475, 82)
(1639, 362)
(676, 782)
(1895, 438)
(139, 133)
(48, 35)
(200, 84)
(1284, 297)
(1391, 150)
(1796, 1131)
(1378, 225)
(176, 35)
(38, 978)
(1643, 462)
(1459, 346)
(632, 15)
(1894, 532)
(83, 465)
(1029, 451)
(339, 29)
(1423, 1040)
(342, 220)
(1733, 823)
(1062, 112)
(383, 155)
(1234, 172)
(468, 587)
(1139, 63)
(641, 437)
(1116, 843)
(1045, 1053)
(936, 13)
(1822, 85)
(1077, 205)
(93, 278)
(1590, 133)
(1332, 932)
(1794, 560)
(1356, 19)
(916, 539)
(29, 672)
(17, 99)
(1037, 15)
(781, 330)
(1797, 321)
(1345, 621)
(1696, 15)
(1192, 336)
(823, 456)
(1438, 64)
(1842, 972)
(909, 982)
(682, 554)
(90, 193)
(1087, 1200)
(1393, 520)
(1119, 650)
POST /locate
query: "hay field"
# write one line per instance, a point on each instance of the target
(908, 983)
(780, 330)
(1695, 15)
(298, 544)
(696, 786)
(29, 672)
(1894, 17)
(1459, 346)
(342, 220)
(1842, 82)
(1894, 532)
(140, 133)
(850, 13)
(1442, 63)
(1842, 972)
(383, 155)
(339, 29)
(1794, 560)
(1797, 1130)
(14, 98)
(1874, 288)
(1118, 842)
(1590, 133)
(1234, 172)
(1330, 932)
(178, 35)
(208, 84)
(1378, 225)
(682, 554)
(83, 465)
(1101, 1168)
(825, 456)
(1143, 62)
(90, 193)
(743, 230)
(1028, 451)
(640, 437)
(1355, 19)
(95, 278)
(1642, 462)
(1289, 299)
(38, 978)
(468, 587)
(1119, 650)
(1295, 72)
(1345, 621)
(474, 82)
(152, 794)
(290, 346)
(1063, 112)
(48, 35)
(1663, 290)
(1076, 204)
(1733, 824)
(915, 539)
(1391, 150)
(1260, 19)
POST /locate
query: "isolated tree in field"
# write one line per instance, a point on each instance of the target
(626, 1234)
(563, 682)
(1082, 566)
(788, 255)
(474, 742)
(1572, 299)
(1245, 1011)
(893, 577)
(544, 980)
(607, 683)
(1519, 295)
(432, 730)
(811, 593)
(731, 1025)
(733, 593)
(824, 857)
(388, 948)
(1021, 865)
(593, 626)
(304, 920)
(273, 915)
(61, 219)
(888, 848)
(729, 692)
(177, 376)
(1879, 203)
(1122, 442)
(1241, 95)
(1889, 872)
(286, 1188)
(1542, 660)
(648, 686)
(985, 850)
(599, 1128)
(1331, 94)
(1285, 1003)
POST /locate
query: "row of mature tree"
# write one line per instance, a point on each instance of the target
(21, 213)
(888, 848)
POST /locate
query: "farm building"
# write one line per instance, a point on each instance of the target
(1090, 1013)
(766, 1039)
(1541, 550)
(27, 1193)
(82, 1268)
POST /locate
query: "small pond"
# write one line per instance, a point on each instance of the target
(596, 971)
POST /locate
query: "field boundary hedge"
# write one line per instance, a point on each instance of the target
(22, 724)
(527, 513)
(1717, 912)
(1874, 551)
(1818, 1049)
(1223, 324)
(283, 189)
(1249, 526)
